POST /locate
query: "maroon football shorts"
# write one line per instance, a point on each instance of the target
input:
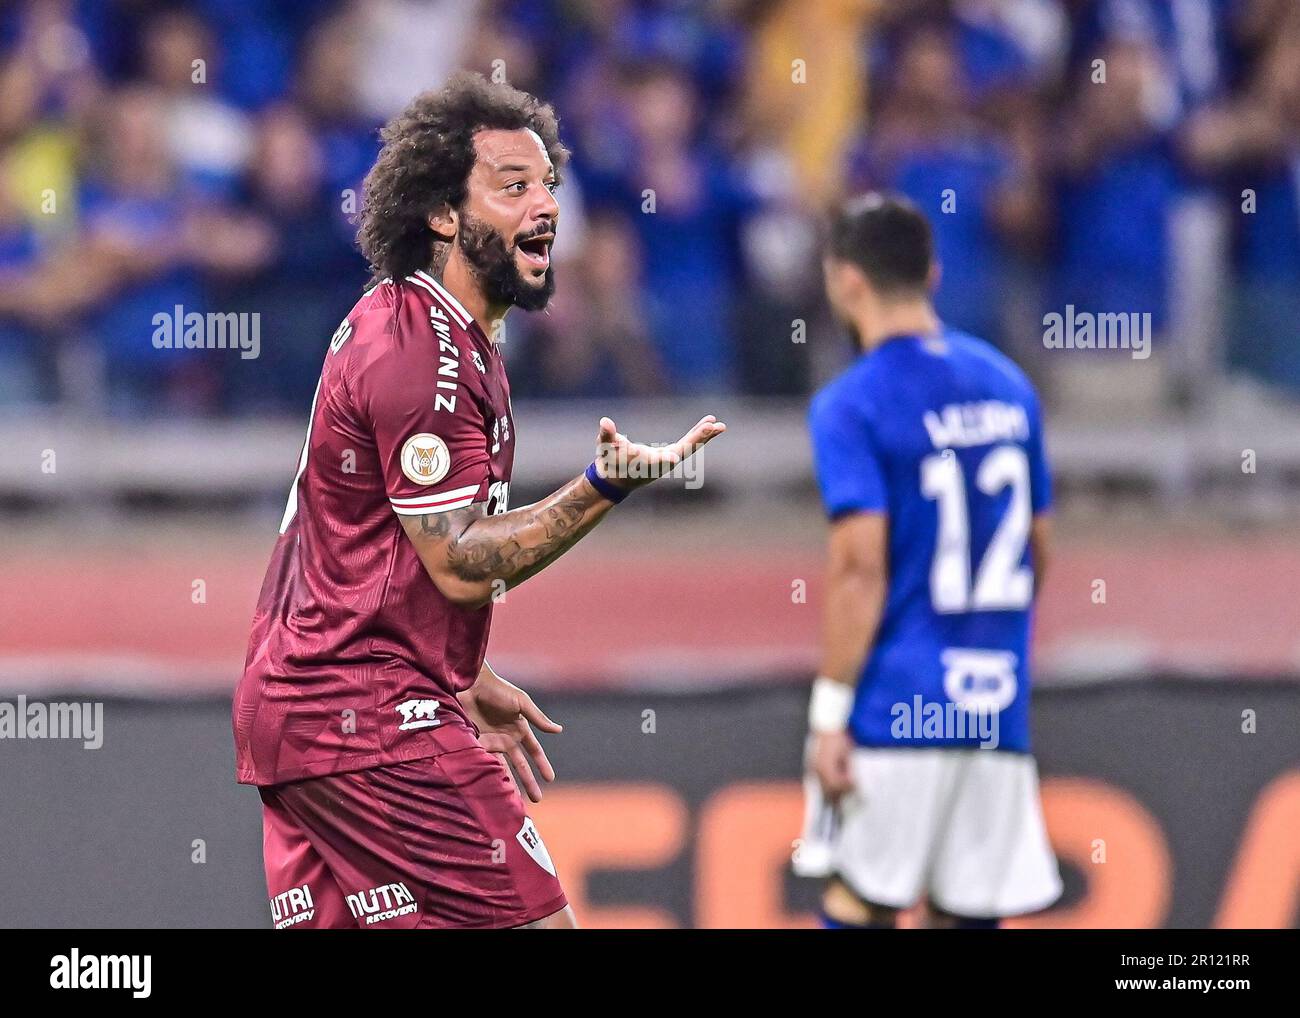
(438, 842)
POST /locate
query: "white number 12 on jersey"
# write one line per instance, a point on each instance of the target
(1001, 582)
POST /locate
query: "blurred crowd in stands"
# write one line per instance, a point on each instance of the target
(1118, 155)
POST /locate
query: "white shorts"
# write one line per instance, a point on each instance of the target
(961, 827)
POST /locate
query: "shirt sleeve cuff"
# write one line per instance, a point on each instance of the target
(436, 502)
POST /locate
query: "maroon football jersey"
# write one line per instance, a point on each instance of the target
(355, 656)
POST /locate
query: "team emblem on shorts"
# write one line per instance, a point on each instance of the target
(425, 459)
(532, 842)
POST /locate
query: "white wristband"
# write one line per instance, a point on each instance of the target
(830, 705)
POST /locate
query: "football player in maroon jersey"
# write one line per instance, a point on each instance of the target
(367, 713)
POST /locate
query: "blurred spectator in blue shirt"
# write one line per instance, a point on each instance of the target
(208, 139)
(1188, 42)
(926, 144)
(259, 43)
(326, 89)
(23, 349)
(132, 242)
(1252, 144)
(686, 202)
(593, 340)
(297, 237)
(1117, 184)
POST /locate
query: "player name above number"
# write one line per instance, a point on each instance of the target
(961, 425)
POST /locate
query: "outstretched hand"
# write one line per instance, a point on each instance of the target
(632, 464)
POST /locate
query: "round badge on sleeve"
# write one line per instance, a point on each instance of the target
(425, 459)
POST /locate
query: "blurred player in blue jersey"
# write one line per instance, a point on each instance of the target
(929, 455)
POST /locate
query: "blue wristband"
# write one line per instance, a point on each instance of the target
(610, 491)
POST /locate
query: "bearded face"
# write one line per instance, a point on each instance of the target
(497, 264)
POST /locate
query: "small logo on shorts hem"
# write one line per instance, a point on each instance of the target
(532, 842)
(292, 907)
(378, 904)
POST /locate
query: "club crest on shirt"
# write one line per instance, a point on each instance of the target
(478, 362)
(425, 459)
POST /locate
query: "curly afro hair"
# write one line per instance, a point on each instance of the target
(425, 163)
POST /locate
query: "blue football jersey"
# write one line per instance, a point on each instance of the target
(944, 436)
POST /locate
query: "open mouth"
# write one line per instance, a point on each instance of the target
(536, 251)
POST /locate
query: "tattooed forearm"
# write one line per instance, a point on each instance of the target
(497, 548)
(474, 551)
(442, 525)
